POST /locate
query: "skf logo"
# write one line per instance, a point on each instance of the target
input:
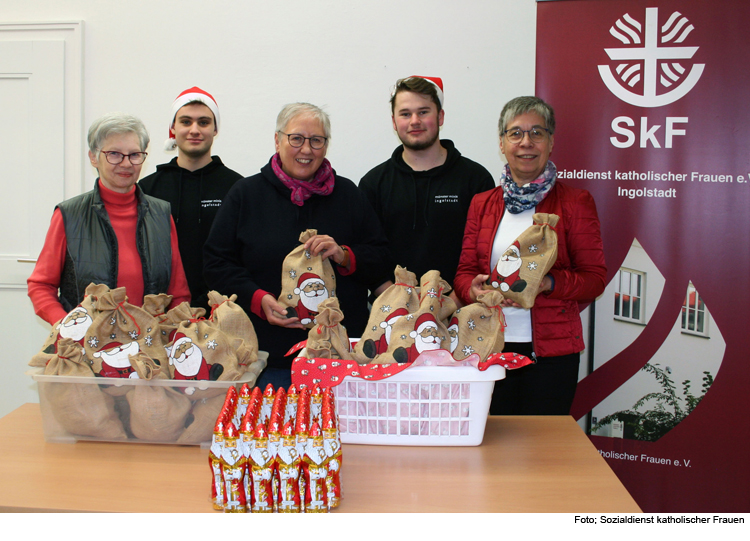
(652, 55)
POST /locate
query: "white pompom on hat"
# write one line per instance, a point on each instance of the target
(190, 95)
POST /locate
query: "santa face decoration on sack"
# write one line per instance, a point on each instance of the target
(306, 281)
(399, 300)
(523, 265)
(202, 352)
(73, 326)
(121, 330)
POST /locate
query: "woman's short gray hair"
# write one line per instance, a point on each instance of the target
(293, 110)
(526, 104)
(116, 123)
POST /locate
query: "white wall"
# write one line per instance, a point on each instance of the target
(254, 57)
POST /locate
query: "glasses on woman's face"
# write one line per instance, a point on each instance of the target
(114, 157)
(297, 140)
(536, 135)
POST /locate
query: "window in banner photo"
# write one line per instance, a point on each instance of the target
(694, 317)
(630, 296)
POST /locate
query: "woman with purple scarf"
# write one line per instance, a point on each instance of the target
(550, 333)
(260, 222)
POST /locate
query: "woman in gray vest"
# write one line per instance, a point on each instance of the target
(114, 234)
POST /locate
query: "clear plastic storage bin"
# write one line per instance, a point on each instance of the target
(206, 399)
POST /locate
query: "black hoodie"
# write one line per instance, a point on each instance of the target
(195, 197)
(423, 213)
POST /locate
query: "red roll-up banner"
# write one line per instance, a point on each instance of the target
(652, 101)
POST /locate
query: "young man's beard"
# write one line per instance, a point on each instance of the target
(420, 145)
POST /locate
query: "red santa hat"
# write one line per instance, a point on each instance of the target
(437, 82)
(190, 95)
(388, 321)
(110, 345)
(307, 278)
(454, 321)
(424, 321)
(517, 247)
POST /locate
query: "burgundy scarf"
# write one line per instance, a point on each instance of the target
(321, 184)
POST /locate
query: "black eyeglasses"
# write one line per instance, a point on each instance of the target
(296, 140)
(114, 157)
(537, 135)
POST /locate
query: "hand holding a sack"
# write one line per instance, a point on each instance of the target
(479, 283)
(276, 314)
(326, 246)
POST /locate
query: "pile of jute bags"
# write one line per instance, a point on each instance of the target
(107, 337)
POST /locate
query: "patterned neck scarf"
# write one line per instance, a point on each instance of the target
(321, 184)
(519, 198)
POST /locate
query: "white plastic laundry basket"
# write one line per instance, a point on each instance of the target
(423, 405)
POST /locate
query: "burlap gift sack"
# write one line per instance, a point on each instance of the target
(423, 330)
(229, 317)
(156, 305)
(80, 408)
(329, 329)
(400, 299)
(201, 420)
(433, 296)
(73, 326)
(478, 328)
(200, 351)
(318, 349)
(156, 413)
(523, 265)
(120, 330)
(306, 281)
(169, 322)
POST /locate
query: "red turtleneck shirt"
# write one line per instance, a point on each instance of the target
(122, 209)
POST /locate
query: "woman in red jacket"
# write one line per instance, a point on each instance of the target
(550, 332)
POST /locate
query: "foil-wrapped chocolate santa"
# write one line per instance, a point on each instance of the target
(288, 461)
(260, 466)
(315, 471)
(233, 466)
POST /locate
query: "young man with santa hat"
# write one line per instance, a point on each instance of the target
(194, 182)
(422, 193)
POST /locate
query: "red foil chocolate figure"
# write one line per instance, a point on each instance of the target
(247, 433)
(269, 395)
(332, 447)
(260, 467)
(288, 461)
(274, 440)
(214, 462)
(292, 396)
(233, 464)
(315, 471)
(243, 401)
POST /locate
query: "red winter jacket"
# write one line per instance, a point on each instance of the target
(579, 270)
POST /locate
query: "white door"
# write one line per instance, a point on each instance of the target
(32, 173)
